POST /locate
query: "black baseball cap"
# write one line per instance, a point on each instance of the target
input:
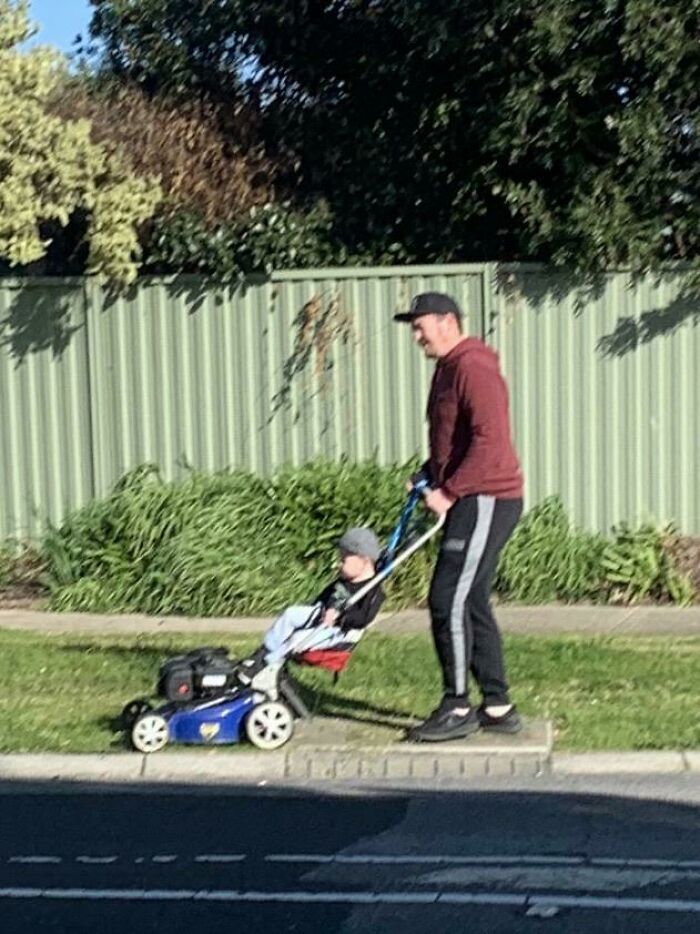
(430, 303)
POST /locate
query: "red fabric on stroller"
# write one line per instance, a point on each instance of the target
(331, 659)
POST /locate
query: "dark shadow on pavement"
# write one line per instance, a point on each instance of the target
(159, 844)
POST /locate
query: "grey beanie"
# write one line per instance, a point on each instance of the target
(361, 541)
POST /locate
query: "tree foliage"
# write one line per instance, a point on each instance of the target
(51, 172)
(557, 130)
(266, 237)
(206, 167)
(173, 46)
(222, 212)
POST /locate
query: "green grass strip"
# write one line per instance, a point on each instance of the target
(63, 693)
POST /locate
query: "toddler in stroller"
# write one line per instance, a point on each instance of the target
(328, 622)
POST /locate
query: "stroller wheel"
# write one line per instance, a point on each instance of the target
(150, 732)
(132, 711)
(269, 725)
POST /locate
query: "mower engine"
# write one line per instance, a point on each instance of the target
(204, 672)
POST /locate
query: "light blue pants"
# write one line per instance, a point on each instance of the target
(287, 634)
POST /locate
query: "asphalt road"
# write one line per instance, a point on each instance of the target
(599, 855)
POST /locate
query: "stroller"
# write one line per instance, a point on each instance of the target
(207, 703)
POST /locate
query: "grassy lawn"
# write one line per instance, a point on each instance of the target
(64, 693)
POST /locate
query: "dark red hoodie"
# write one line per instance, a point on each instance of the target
(471, 451)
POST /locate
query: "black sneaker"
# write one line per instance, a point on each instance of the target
(509, 722)
(449, 721)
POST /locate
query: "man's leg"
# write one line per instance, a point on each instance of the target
(468, 555)
(487, 663)
(466, 532)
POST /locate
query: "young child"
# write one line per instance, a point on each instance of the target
(321, 624)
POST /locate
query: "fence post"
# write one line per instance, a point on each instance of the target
(94, 435)
(488, 326)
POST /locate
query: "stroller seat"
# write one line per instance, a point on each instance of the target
(335, 657)
(333, 660)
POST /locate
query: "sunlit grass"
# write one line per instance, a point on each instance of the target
(64, 693)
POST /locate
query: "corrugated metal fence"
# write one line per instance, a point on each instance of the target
(604, 388)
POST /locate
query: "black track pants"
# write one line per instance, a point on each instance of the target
(465, 632)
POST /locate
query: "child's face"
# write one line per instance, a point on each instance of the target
(354, 567)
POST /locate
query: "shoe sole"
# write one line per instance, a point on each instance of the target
(510, 728)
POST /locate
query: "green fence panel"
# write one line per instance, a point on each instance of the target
(304, 365)
(605, 393)
(309, 363)
(45, 440)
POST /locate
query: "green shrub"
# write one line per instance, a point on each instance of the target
(637, 565)
(20, 565)
(266, 237)
(234, 543)
(6, 565)
(547, 560)
(222, 544)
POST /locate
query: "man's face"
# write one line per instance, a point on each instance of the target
(429, 332)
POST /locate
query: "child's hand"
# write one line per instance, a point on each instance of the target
(329, 617)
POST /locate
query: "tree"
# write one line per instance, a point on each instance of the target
(555, 130)
(51, 174)
(220, 214)
(603, 118)
(173, 46)
(204, 168)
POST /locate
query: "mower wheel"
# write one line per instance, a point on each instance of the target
(150, 732)
(269, 725)
(132, 711)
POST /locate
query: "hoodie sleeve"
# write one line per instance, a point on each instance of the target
(482, 400)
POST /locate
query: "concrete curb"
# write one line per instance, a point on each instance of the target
(664, 762)
(350, 752)
(324, 764)
(330, 765)
(323, 748)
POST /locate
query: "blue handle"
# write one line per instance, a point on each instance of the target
(414, 497)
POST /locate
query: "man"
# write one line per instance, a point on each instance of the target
(476, 480)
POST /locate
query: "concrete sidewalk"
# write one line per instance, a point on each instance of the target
(534, 620)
